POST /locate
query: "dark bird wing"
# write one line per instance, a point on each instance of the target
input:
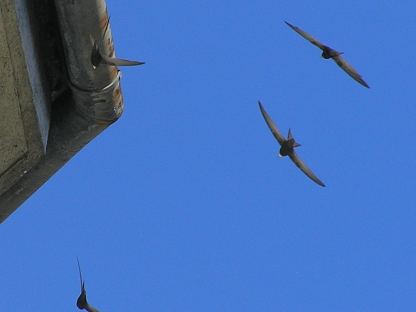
(82, 299)
(279, 137)
(306, 36)
(97, 57)
(350, 70)
(80, 276)
(299, 163)
(119, 62)
(90, 308)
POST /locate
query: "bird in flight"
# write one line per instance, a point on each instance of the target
(82, 303)
(97, 58)
(329, 53)
(287, 146)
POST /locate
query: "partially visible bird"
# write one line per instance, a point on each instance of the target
(82, 302)
(97, 58)
(328, 53)
(287, 146)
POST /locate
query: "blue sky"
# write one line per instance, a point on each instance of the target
(183, 204)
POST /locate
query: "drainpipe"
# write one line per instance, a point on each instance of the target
(96, 91)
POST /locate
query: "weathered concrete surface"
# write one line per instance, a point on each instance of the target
(24, 120)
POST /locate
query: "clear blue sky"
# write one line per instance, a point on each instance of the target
(183, 204)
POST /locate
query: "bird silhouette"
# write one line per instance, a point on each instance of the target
(329, 53)
(287, 146)
(97, 58)
(82, 302)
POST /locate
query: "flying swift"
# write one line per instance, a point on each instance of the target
(287, 146)
(82, 302)
(329, 53)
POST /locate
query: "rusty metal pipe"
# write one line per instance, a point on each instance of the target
(96, 90)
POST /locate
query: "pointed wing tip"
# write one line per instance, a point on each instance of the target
(261, 107)
(120, 62)
(80, 275)
(305, 169)
(362, 82)
(289, 24)
(114, 61)
(345, 66)
(273, 128)
(137, 63)
(317, 181)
